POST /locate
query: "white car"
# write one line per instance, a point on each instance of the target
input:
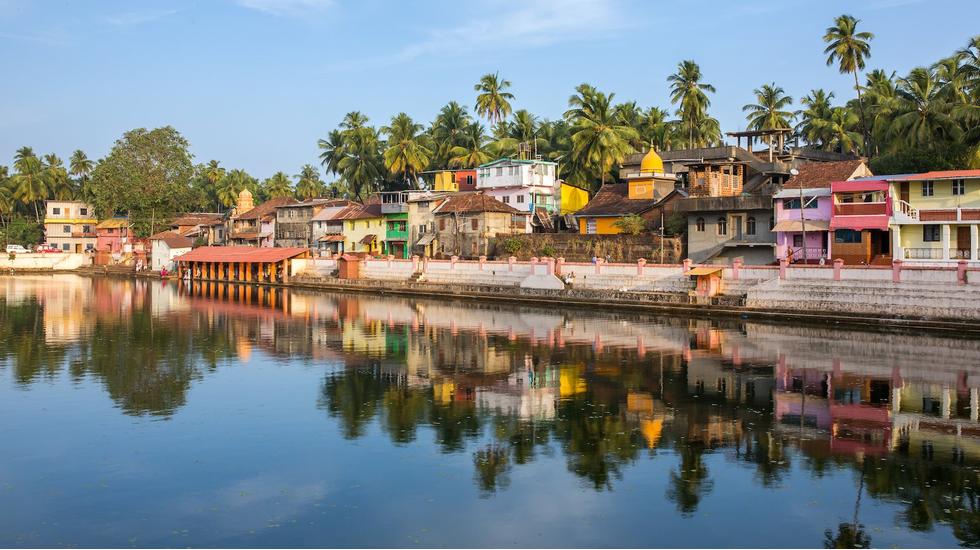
(16, 249)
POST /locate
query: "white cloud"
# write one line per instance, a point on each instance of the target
(292, 8)
(504, 24)
(137, 18)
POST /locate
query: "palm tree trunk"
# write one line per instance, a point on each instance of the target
(37, 214)
(864, 120)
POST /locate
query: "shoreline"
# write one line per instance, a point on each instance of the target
(721, 307)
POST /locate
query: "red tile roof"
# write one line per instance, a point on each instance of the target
(462, 203)
(938, 175)
(173, 239)
(267, 208)
(612, 199)
(360, 211)
(246, 254)
(817, 175)
(198, 218)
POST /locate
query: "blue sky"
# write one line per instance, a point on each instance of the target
(254, 83)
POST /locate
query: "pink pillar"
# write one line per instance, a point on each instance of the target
(598, 266)
(551, 265)
(425, 264)
(687, 264)
(838, 263)
(961, 272)
(558, 264)
(510, 263)
(415, 262)
(390, 257)
(639, 266)
(896, 271)
(483, 260)
(782, 268)
(452, 262)
(736, 268)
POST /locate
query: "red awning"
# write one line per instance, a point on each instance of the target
(859, 222)
(331, 239)
(244, 254)
(857, 186)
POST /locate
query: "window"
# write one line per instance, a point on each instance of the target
(86, 229)
(88, 246)
(422, 229)
(65, 246)
(928, 189)
(474, 224)
(959, 187)
(66, 229)
(847, 236)
(506, 199)
(520, 199)
(442, 224)
(699, 224)
(931, 233)
(794, 204)
(423, 204)
(469, 180)
(83, 211)
(55, 211)
(590, 226)
(722, 226)
(500, 170)
(797, 241)
(750, 225)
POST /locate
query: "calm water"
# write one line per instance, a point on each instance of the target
(143, 414)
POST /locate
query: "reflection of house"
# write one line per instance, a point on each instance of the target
(255, 226)
(466, 223)
(69, 225)
(809, 191)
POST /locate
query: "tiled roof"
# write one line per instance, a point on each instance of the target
(198, 218)
(474, 202)
(936, 175)
(267, 208)
(333, 210)
(360, 212)
(173, 239)
(240, 254)
(613, 200)
(815, 175)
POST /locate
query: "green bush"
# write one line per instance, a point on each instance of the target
(22, 231)
(675, 224)
(512, 245)
(631, 224)
(548, 250)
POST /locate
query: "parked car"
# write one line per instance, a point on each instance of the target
(16, 249)
(47, 249)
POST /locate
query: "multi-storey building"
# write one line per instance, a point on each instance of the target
(327, 227)
(936, 216)
(293, 222)
(364, 227)
(468, 223)
(530, 186)
(255, 225)
(70, 225)
(394, 209)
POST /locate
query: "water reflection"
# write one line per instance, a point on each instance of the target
(509, 386)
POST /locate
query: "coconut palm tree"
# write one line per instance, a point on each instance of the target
(232, 184)
(23, 153)
(407, 153)
(474, 150)
(30, 182)
(655, 130)
(447, 132)
(840, 130)
(689, 93)
(332, 150)
(279, 185)
(923, 117)
(309, 186)
(770, 110)
(6, 196)
(849, 49)
(599, 140)
(969, 58)
(59, 184)
(493, 101)
(816, 107)
(80, 166)
(362, 165)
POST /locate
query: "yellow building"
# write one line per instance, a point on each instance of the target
(645, 194)
(936, 216)
(573, 198)
(451, 181)
(364, 228)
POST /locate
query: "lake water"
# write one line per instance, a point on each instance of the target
(140, 413)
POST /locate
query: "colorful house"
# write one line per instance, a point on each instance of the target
(207, 227)
(394, 208)
(573, 198)
(364, 227)
(327, 227)
(69, 226)
(862, 210)
(804, 207)
(526, 185)
(936, 215)
(648, 193)
(165, 247)
(112, 235)
(468, 223)
(451, 181)
(255, 225)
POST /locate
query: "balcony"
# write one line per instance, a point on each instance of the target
(810, 253)
(861, 209)
(936, 253)
(725, 204)
(394, 202)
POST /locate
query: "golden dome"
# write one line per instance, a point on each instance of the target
(652, 162)
(246, 194)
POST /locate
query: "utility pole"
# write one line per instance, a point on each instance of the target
(662, 234)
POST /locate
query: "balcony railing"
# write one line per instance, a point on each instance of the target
(924, 253)
(959, 253)
(860, 208)
(740, 202)
(811, 253)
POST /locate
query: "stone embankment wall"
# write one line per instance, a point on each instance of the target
(951, 293)
(44, 262)
(575, 247)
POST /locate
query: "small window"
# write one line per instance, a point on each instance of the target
(928, 189)
(699, 224)
(55, 211)
(931, 233)
(506, 199)
(65, 246)
(959, 187)
(83, 211)
(520, 199)
(469, 180)
(797, 241)
(847, 236)
(66, 229)
(750, 225)
(474, 224)
(442, 224)
(500, 170)
(722, 226)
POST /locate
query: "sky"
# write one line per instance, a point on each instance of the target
(255, 83)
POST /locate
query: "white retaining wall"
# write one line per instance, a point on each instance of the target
(55, 262)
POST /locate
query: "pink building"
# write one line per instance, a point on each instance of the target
(805, 206)
(113, 235)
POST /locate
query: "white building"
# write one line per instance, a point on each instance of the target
(528, 185)
(166, 246)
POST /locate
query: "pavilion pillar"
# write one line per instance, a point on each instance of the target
(285, 270)
(272, 272)
(248, 272)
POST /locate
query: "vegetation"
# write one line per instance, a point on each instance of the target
(631, 224)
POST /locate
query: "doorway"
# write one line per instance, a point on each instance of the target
(737, 223)
(963, 242)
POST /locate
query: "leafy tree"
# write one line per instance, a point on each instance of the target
(30, 183)
(816, 108)
(599, 140)
(309, 186)
(849, 49)
(769, 112)
(147, 174)
(80, 166)
(688, 92)
(448, 131)
(922, 117)
(473, 152)
(631, 224)
(407, 153)
(59, 185)
(493, 101)
(840, 130)
(279, 185)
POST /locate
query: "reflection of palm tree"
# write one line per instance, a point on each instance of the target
(492, 465)
(691, 483)
(850, 535)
